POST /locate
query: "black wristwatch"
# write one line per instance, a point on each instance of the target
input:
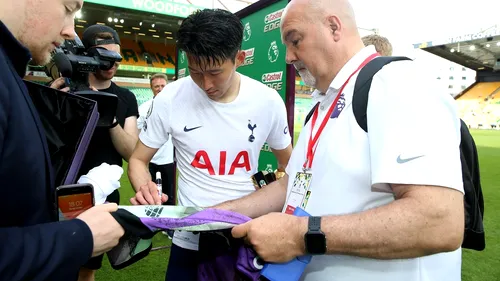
(315, 239)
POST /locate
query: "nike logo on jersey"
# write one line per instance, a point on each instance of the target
(186, 129)
(402, 161)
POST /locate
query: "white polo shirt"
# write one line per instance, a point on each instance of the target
(352, 170)
(217, 145)
(164, 155)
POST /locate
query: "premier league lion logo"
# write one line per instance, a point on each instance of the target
(247, 32)
(273, 52)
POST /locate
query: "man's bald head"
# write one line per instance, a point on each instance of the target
(318, 10)
(321, 36)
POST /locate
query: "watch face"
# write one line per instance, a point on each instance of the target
(315, 243)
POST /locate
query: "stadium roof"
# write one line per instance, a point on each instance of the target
(156, 21)
(230, 5)
(479, 51)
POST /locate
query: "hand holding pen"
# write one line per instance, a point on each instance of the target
(158, 184)
(149, 194)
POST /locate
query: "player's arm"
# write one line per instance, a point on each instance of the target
(415, 156)
(283, 156)
(138, 171)
(423, 220)
(124, 139)
(269, 199)
(279, 138)
(154, 134)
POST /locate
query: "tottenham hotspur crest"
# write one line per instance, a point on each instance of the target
(251, 127)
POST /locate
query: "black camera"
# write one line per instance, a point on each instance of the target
(74, 63)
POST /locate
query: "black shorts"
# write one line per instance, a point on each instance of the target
(95, 263)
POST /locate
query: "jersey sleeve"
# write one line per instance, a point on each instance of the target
(156, 128)
(413, 130)
(279, 135)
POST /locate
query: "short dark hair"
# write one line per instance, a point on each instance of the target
(211, 35)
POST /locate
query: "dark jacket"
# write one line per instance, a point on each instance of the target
(33, 246)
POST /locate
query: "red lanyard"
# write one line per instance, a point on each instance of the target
(311, 147)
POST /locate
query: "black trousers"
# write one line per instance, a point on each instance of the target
(168, 180)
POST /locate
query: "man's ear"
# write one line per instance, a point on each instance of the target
(240, 58)
(335, 27)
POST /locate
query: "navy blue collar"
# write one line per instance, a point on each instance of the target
(18, 55)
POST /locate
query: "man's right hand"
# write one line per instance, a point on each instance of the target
(58, 84)
(148, 195)
(106, 231)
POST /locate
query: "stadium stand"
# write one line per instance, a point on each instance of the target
(141, 94)
(478, 106)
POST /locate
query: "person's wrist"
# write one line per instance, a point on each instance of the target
(279, 173)
(300, 232)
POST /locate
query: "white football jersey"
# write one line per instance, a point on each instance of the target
(217, 145)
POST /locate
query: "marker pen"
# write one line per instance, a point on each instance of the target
(158, 183)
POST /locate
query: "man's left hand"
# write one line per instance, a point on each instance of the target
(276, 237)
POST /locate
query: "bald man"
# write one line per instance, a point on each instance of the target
(386, 205)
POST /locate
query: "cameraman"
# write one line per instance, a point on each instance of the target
(33, 246)
(112, 145)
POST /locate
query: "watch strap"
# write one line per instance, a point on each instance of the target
(314, 224)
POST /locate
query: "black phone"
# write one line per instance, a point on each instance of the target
(74, 199)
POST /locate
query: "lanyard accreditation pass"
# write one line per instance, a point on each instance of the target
(301, 191)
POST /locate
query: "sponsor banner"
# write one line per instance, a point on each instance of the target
(273, 20)
(265, 60)
(165, 7)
